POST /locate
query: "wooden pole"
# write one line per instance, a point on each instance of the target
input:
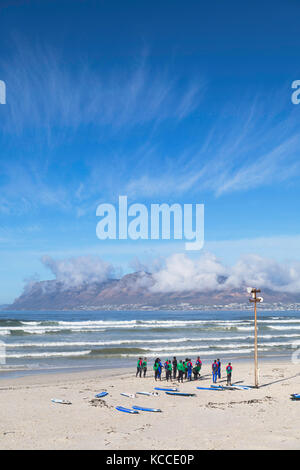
(255, 344)
(255, 299)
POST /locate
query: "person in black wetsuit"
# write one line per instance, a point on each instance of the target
(174, 363)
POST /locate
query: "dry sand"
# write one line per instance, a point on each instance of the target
(263, 418)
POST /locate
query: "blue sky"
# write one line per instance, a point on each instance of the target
(160, 101)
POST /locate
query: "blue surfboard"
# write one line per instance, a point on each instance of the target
(141, 408)
(179, 394)
(209, 388)
(126, 410)
(231, 387)
(222, 387)
(174, 389)
(101, 394)
(295, 396)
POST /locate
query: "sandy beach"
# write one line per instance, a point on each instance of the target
(263, 418)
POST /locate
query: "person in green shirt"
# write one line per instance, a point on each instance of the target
(196, 371)
(169, 370)
(139, 367)
(156, 369)
(181, 371)
(229, 373)
(185, 368)
(144, 366)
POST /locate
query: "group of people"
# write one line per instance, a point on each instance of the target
(141, 367)
(182, 369)
(216, 371)
(177, 369)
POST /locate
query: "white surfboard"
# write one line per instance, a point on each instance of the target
(129, 395)
(62, 402)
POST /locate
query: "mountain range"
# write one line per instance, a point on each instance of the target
(131, 291)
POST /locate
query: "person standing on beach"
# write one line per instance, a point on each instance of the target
(219, 368)
(144, 366)
(174, 367)
(189, 370)
(139, 367)
(196, 371)
(159, 368)
(155, 368)
(169, 370)
(229, 372)
(214, 371)
(198, 365)
(180, 371)
(185, 367)
(166, 368)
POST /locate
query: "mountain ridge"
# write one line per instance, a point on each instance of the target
(131, 289)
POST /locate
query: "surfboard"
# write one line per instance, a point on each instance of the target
(241, 387)
(179, 394)
(62, 402)
(223, 387)
(150, 394)
(126, 410)
(295, 396)
(174, 389)
(129, 395)
(101, 394)
(141, 408)
(231, 387)
(209, 388)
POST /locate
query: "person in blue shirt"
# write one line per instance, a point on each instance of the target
(189, 370)
(159, 370)
(214, 371)
(219, 368)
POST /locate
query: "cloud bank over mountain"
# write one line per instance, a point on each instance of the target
(88, 281)
(208, 273)
(80, 270)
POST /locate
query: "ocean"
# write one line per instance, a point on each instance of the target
(46, 341)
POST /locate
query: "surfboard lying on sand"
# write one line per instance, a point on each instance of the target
(152, 394)
(126, 410)
(101, 394)
(223, 387)
(129, 395)
(295, 396)
(241, 387)
(174, 389)
(179, 394)
(231, 387)
(141, 408)
(62, 402)
(210, 388)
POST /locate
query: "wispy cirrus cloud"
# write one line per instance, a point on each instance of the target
(53, 105)
(45, 92)
(253, 146)
(248, 144)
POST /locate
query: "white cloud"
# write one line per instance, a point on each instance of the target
(254, 270)
(183, 274)
(46, 94)
(79, 270)
(208, 273)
